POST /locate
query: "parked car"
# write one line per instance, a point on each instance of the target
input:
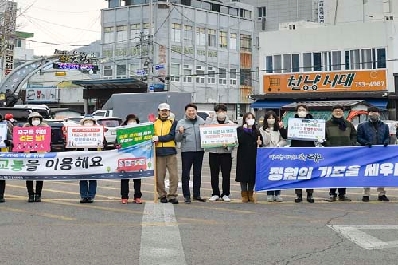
(110, 125)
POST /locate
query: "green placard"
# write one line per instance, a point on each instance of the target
(129, 136)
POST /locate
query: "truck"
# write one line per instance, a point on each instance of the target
(144, 105)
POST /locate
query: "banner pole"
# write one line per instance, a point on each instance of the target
(155, 192)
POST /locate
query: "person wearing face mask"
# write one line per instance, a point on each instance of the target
(8, 146)
(220, 158)
(339, 132)
(166, 154)
(249, 139)
(130, 120)
(188, 133)
(302, 113)
(34, 119)
(373, 132)
(272, 137)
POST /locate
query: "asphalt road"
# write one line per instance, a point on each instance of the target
(61, 231)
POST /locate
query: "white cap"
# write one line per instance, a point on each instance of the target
(164, 106)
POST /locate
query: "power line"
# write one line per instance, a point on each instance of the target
(63, 11)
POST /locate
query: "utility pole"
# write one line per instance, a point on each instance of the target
(151, 85)
(8, 13)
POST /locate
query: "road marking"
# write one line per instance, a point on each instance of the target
(364, 240)
(160, 244)
(41, 214)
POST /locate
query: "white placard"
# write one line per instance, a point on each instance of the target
(84, 136)
(3, 133)
(306, 129)
(218, 135)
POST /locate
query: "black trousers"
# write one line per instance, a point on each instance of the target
(2, 188)
(300, 191)
(340, 190)
(39, 187)
(221, 162)
(188, 159)
(125, 188)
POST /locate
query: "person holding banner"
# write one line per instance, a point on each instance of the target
(249, 139)
(373, 132)
(188, 133)
(272, 137)
(34, 119)
(339, 132)
(220, 158)
(302, 113)
(131, 120)
(166, 154)
(8, 146)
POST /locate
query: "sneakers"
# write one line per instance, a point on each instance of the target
(226, 198)
(332, 198)
(163, 199)
(278, 198)
(124, 201)
(214, 198)
(83, 200)
(187, 200)
(90, 200)
(31, 198)
(383, 198)
(37, 198)
(173, 201)
(365, 198)
(344, 198)
(137, 200)
(270, 198)
(299, 198)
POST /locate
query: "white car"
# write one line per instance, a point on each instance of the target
(110, 125)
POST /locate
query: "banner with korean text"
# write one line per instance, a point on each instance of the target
(133, 162)
(33, 138)
(218, 135)
(131, 135)
(84, 136)
(326, 167)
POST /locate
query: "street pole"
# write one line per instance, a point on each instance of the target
(151, 87)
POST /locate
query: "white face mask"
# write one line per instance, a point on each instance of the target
(88, 123)
(35, 122)
(271, 121)
(221, 115)
(250, 122)
(302, 114)
(131, 123)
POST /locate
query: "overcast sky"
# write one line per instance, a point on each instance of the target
(63, 22)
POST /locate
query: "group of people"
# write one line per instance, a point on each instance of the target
(272, 133)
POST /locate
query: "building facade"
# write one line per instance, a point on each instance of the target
(203, 47)
(8, 17)
(22, 53)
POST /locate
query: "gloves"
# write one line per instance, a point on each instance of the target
(155, 138)
(385, 144)
(118, 146)
(7, 142)
(368, 145)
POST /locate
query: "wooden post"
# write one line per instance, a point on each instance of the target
(155, 192)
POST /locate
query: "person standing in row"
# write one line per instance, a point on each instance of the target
(272, 137)
(302, 113)
(373, 132)
(131, 120)
(339, 132)
(166, 154)
(34, 119)
(187, 132)
(8, 147)
(249, 138)
(220, 158)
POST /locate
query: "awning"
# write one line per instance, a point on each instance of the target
(265, 104)
(379, 103)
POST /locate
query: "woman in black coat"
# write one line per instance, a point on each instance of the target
(249, 139)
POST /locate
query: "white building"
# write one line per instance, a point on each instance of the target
(22, 53)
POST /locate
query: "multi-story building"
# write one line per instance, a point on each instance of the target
(205, 47)
(22, 53)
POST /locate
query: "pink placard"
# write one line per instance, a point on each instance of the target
(32, 139)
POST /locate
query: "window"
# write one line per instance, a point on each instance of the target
(347, 60)
(135, 32)
(366, 59)
(108, 70)
(277, 63)
(336, 60)
(108, 35)
(222, 76)
(146, 29)
(262, 12)
(223, 39)
(188, 35)
(232, 41)
(133, 69)
(187, 74)
(326, 61)
(212, 38)
(287, 63)
(107, 51)
(175, 72)
(317, 61)
(211, 75)
(268, 64)
(200, 73)
(121, 33)
(246, 43)
(176, 32)
(200, 36)
(307, 62)
(246, 77)
(295, 63)
(232, 76)
(18, 43)
(381, 58)
(121, 71)
(355, 59)
(120, 51)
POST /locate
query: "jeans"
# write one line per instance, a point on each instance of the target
(340, 190)
(273, 193)
(29, 186)
(125, 188)
(221, 162)
(88, 188)
(189, 159)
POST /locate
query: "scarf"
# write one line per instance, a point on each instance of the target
(340, 122)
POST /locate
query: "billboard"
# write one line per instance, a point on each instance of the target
(41, 94)
(353, 81)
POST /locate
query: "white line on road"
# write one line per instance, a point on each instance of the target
(160, 239)
(364, 240)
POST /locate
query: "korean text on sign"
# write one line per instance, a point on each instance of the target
(85, 137)
(130, 136)
(218, 135)
(32, 139)
(306, 129)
